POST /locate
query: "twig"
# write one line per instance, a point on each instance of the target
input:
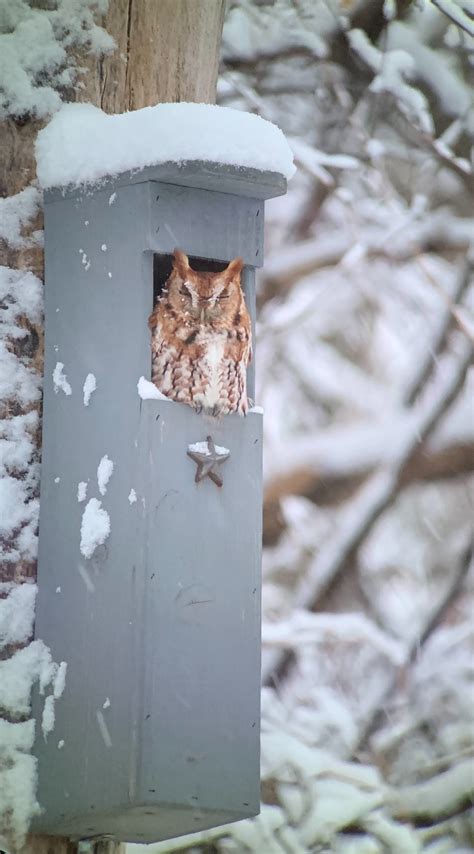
(450, 596)
(413, 134)
(445, 322)
(253, 64)
(433, 621)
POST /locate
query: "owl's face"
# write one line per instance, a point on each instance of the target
(205, 296)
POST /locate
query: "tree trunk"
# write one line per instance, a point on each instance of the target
(167, 50)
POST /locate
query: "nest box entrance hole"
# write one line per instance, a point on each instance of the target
(162, 266)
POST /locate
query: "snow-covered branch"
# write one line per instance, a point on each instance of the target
(339, 457)
(439, 229)
(457, 14)
(437, 798)
(380, 490)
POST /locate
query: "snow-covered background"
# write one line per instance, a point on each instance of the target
(365, 341)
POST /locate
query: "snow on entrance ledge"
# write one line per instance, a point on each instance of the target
(82, 144)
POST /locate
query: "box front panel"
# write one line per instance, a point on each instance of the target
(202, 664)
(206, 224)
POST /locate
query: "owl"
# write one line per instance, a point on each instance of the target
(202, 338)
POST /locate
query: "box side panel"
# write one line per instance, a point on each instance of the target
(202, 646)
(89, 609)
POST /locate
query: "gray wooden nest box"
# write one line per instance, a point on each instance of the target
(157, 731)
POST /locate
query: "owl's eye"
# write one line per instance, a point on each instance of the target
(223, 294)
(184, 291)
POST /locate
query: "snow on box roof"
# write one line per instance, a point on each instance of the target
(82, 144)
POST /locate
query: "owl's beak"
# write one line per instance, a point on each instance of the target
(205, 303)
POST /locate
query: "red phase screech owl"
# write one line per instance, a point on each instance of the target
(202, 338)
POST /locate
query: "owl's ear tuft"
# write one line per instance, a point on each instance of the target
(180, 263)
(234, 269)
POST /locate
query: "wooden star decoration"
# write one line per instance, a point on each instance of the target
(208, 458)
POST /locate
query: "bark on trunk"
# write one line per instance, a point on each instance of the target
(167, 51)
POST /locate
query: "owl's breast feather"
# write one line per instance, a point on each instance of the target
(213, 356)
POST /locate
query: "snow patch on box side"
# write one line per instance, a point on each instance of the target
(81, 491)
(89, 388)
(95, 527)
(60, 380)
(104, 473)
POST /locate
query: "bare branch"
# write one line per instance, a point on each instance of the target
(445, 320)
(415, 135)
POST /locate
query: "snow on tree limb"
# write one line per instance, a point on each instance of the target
(438, 797)
(439, 227)
(456, 13)
(346, 451)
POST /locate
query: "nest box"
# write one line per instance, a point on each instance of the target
(157, 731)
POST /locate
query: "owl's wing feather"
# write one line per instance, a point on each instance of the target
(234, 372)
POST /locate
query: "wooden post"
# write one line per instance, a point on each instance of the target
(166, 51)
